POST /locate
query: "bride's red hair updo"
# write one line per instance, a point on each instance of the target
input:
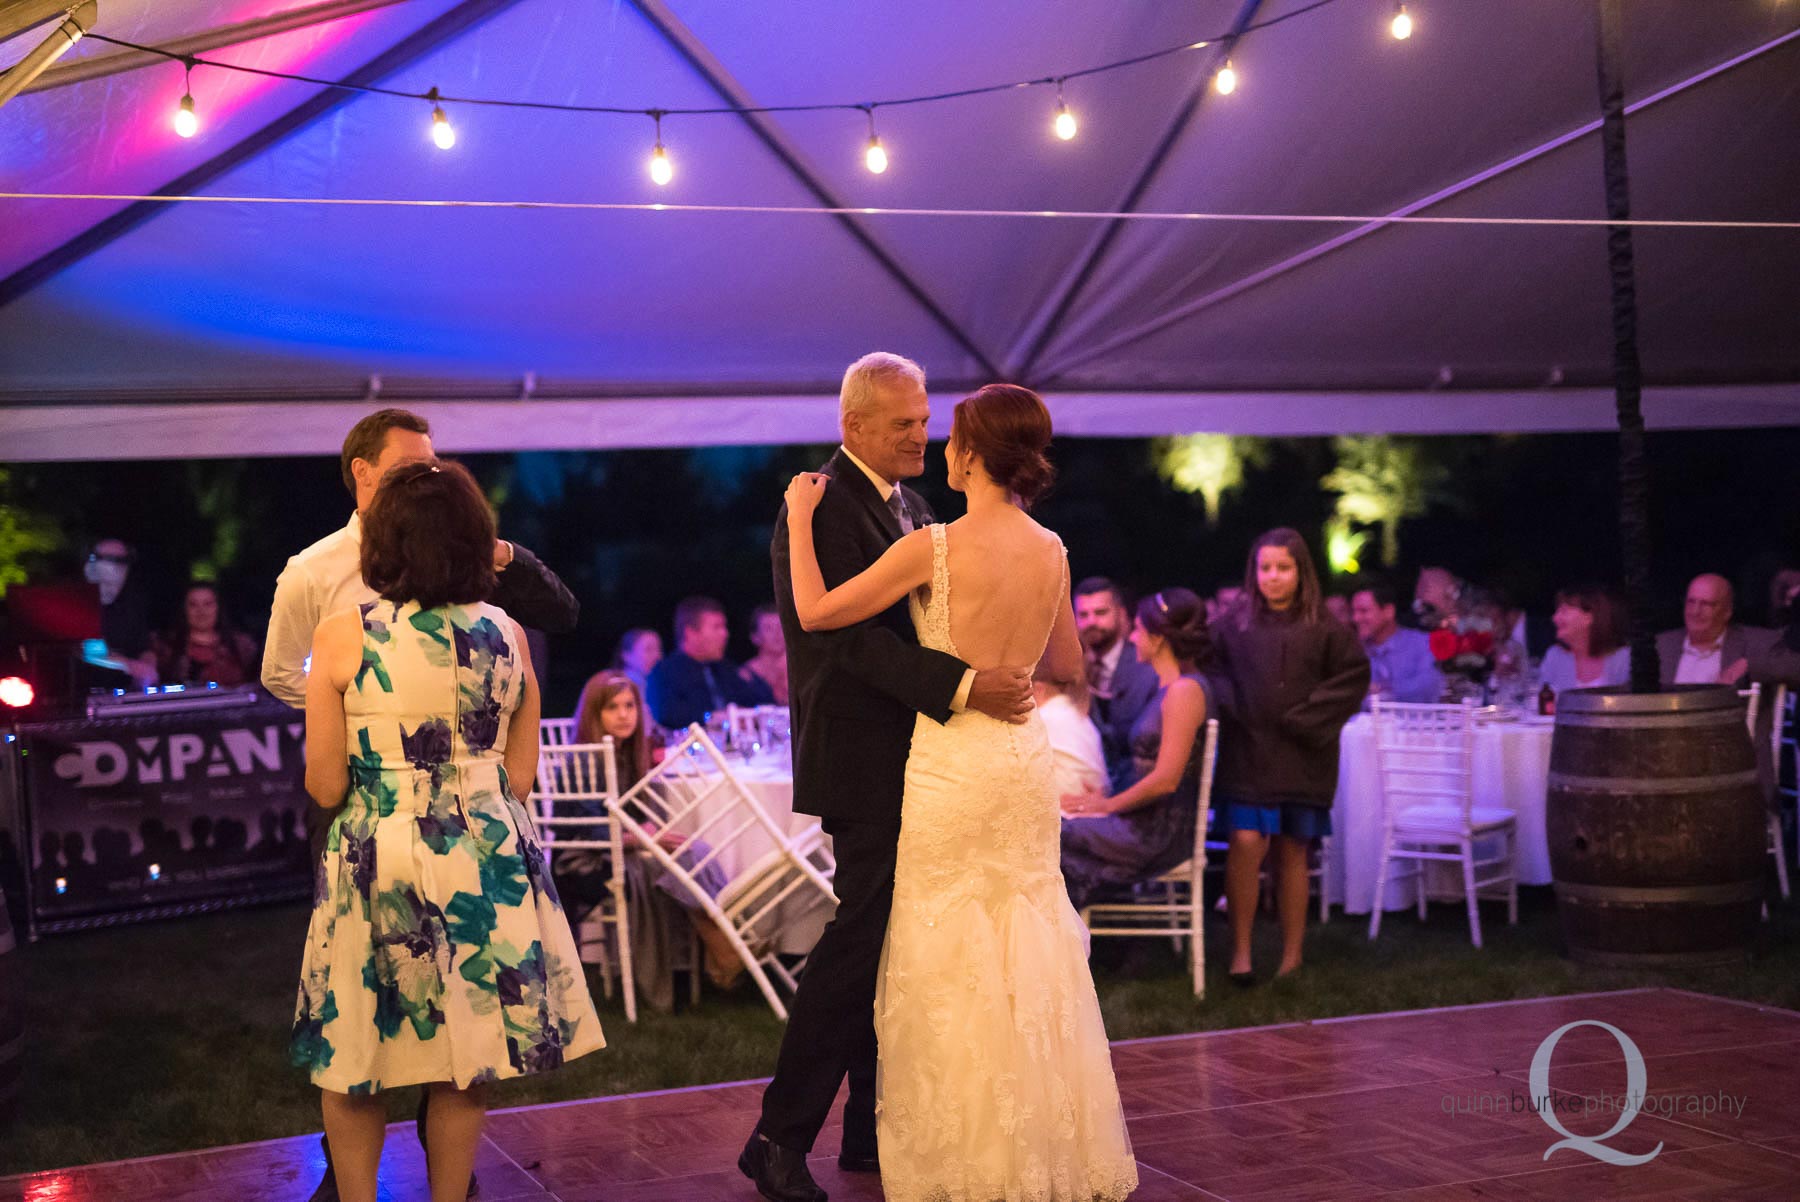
(1009, 427)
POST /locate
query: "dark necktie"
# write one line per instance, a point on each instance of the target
(712, 687)
(898, 505)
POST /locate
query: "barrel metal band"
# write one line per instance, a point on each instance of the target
(1640, 785)
(1735, 891)
(1685, 719)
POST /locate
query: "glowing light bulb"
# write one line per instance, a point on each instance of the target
(441, 131)
(16, 692)
(875, 158)
(187, 124)
(1226, 79)
(1402, 25)
(661, 169)
(1064, 125)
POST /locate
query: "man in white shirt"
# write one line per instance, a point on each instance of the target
(1709, 649)
(327, 576)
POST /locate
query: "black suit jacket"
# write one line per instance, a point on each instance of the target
(678, 696)
(533, 595)
(1134, 683)
(854, 692)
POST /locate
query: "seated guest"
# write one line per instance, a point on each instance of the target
(1438, 597)
(1590, 650)
(1226, 598)
(1784, 591)
(1401, 666)
(697, 679)
(769, 664)
(611, 707)
(204, 645)
(1080, 763)
(1147, 827)
(1710, 648)
(124, 613)
(640, 650)
(1120, 684)
(1531, 633)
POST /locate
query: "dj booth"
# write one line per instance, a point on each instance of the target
(154, 804)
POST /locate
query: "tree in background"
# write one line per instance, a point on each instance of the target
(1208, 465)
(25, 536)
(1381, 480)
(226, 510)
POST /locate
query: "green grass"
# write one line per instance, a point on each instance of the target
(172, 1036)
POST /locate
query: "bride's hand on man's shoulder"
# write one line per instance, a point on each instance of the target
(804, 491)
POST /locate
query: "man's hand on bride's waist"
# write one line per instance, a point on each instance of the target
(1002, 693)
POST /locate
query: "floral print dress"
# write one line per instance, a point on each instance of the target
(438, 950)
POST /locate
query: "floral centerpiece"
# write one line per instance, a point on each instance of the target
(1464, 648)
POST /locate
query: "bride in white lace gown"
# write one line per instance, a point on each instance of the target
(995, 1077)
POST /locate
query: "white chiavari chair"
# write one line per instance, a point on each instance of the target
(556, 732)
(1425, 758)
(577, 783)
(1181, 910)
(695, 794)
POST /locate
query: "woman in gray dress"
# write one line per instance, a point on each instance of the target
(1147, 828)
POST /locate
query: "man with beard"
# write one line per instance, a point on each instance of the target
(1121, 685)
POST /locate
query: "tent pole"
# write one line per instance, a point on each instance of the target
(1634, 467)
(62, 39)
(101, 65)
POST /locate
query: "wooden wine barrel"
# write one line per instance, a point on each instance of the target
(1656, 826)
(12, 1020)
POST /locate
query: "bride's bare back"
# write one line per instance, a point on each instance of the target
(1007, 587)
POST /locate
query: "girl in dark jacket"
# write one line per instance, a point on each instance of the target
(1289, 676)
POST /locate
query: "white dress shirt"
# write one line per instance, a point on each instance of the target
(1106, 667)
(887, 488)
(1078, 764)
(316, 583)
(1700, 667)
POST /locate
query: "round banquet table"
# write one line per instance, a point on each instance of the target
(1511, 772)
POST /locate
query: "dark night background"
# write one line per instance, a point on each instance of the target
(634, 531)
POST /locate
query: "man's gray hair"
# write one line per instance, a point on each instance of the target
(862, 378)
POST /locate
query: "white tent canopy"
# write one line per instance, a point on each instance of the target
(138, 328)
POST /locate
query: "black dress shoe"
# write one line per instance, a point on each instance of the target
(419, 1127)
(858, 1162)
(779, 1173)
(1243, 980)
(327, 1190)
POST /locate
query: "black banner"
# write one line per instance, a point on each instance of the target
(147, 811)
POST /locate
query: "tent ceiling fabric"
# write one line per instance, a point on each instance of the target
(1231, 326)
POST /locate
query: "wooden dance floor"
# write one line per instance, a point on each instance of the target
(1427, 1105)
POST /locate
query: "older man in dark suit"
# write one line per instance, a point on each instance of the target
(1712, 649)
(856, 694)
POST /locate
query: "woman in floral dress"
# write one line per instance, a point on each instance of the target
(438, 953)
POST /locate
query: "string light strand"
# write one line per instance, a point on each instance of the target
(719, 110)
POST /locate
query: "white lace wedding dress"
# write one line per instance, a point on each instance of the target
(995, 1082)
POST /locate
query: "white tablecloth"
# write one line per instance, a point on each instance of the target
(1512, 772)
(802, 918)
